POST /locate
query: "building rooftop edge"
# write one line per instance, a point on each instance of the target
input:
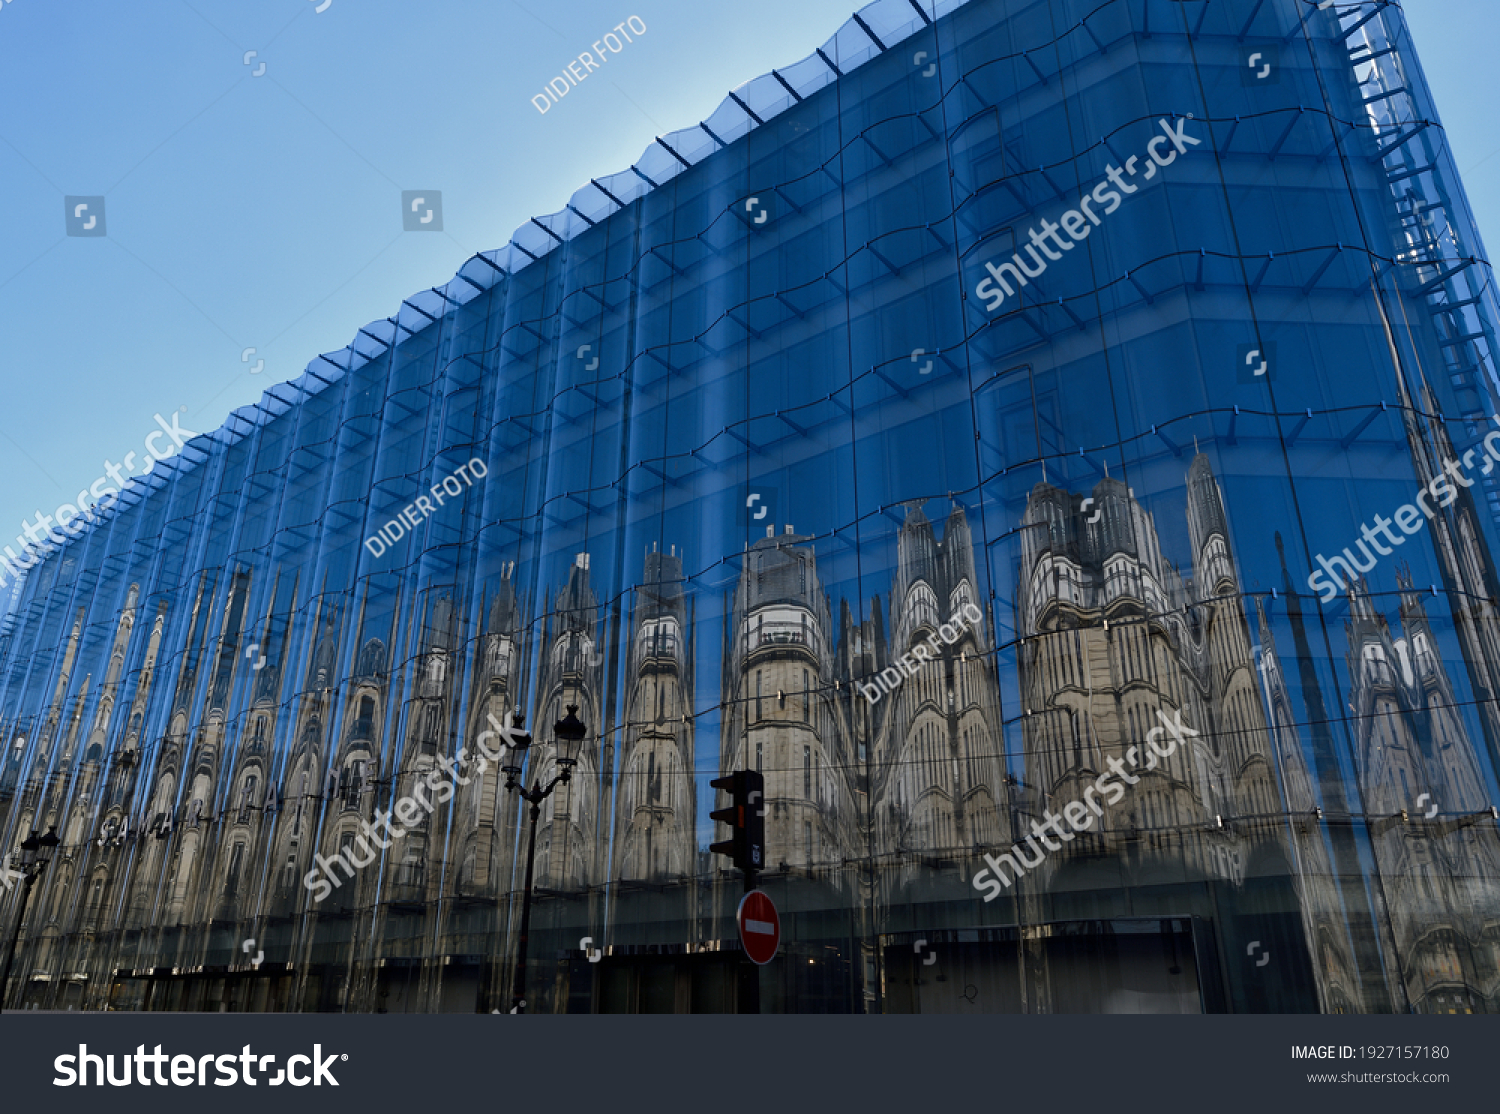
(867, 33)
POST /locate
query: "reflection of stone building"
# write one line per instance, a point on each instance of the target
(1323, 923)
(1414, 754)
(186, 777)
(214, 834)
(937, 764)
(429, 717)
(778, 719)
(1427, 808)
(1113, 634)
(485, 814)
(1468, 567)
(282, 732)
(570, 855)
(1436, 895)
(656, 800)
(795, 712)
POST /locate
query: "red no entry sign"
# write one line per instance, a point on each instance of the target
(760, 927)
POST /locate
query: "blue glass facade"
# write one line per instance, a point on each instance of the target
(926, 429)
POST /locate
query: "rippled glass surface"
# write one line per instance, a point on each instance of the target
(1063, 627)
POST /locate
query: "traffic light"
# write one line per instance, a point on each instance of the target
(746, 817)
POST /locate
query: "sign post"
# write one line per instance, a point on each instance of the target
(760, 927)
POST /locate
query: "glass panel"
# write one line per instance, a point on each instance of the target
(1060, 466)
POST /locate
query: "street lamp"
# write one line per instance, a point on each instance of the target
(569, 732)
(35, 855)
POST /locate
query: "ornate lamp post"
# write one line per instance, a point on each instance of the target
(35, 855)
(569, 732)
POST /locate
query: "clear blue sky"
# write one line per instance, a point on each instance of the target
(265, 212)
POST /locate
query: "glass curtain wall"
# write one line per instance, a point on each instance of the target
(1048, 439)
